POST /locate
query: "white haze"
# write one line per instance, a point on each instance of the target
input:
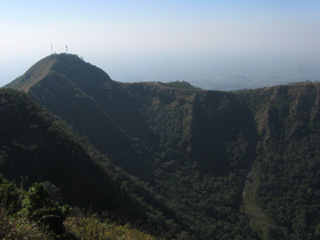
(216, 71)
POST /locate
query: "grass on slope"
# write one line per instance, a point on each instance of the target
(37, 72)
(19, 226)
(89, 228)
(34, 215)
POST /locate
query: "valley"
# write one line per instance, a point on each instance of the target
(179, 161)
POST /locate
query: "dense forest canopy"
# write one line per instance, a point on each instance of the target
(188, 163)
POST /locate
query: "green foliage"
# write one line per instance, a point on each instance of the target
(39, 217)
(10, 196)
(207, 164)
(24, 214)
(287, 167)
(40, 208)
(35, 147)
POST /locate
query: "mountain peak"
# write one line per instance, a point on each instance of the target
(70, 66)
(34, 74)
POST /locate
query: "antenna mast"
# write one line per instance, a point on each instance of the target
(51, 49)
(67, 49)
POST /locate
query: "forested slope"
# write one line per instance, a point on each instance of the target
(36, 148)
(223, 165)
(284, 201)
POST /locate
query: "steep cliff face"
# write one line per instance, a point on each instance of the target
(283, 185)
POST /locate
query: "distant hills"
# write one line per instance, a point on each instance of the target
(208, 164)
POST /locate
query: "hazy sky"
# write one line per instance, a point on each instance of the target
(169, 39)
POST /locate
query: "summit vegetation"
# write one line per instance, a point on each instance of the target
(168, 159)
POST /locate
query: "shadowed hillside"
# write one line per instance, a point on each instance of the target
(36, 148)
(226, 164)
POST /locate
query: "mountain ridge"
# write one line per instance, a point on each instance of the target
(214, 158)
(36, 148)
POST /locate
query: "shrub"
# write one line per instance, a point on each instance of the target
(40, 208)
